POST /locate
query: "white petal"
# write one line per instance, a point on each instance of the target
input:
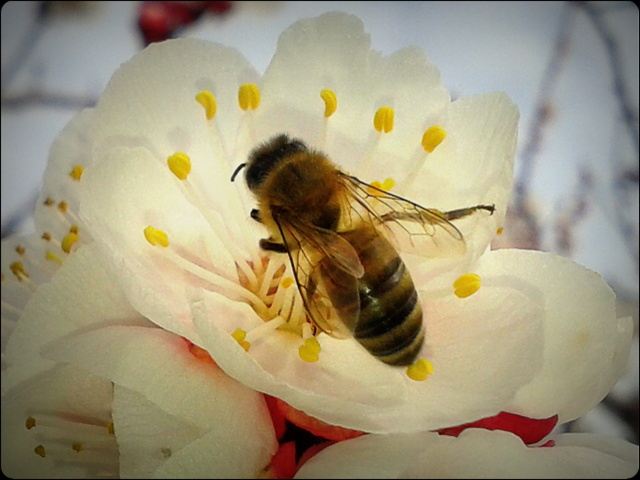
(80, 295)
(585, 346)
(129, 191)
(475, 453)
(68, 405)
(157, 365)
(333, 51)
(471, 343)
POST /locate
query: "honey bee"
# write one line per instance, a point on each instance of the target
(340, 235)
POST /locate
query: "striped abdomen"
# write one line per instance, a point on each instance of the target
(389, 324)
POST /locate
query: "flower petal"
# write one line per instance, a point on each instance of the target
(585, 346)
(77, 292)
(475, 454)
(158, 366)
(470, 343)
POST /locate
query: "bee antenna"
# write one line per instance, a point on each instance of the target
(240, 167)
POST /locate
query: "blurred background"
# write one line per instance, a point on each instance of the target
(571, 67)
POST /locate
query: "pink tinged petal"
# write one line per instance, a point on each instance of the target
(82, 294)
(123, 195)
(586, 346)
(530, 430)
(158, 365)
(477, 453)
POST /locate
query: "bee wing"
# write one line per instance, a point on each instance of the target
(410, 227)
(326, 269)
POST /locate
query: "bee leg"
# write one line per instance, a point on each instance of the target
(463, 212)
(266, 244)
(255, 214)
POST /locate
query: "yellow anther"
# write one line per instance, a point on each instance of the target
(76, 172)
(239, 336)
(420, 370)
(310, 350)
(52, 257)
(40, 451)
(77, 446)
(110, 429)
(208, 101)
(20, 250)
(466, 285)
(62, 206)
(249, 96)
(17, 268)
(330, 101)
(377, 188)
(383, 119)
(433, 137)
(156, 237)
(500, 230)
(46, 236)
(49, 201)
(30, 423)
(180, 164)
(68, 241)
(286, 282)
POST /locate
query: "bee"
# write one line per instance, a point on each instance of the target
(341, 237)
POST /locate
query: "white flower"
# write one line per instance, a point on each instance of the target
(161, 246)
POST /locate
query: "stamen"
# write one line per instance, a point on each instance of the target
(239, 336)
(433, 137)
(420, 370)
(63, 206)
(286, 282)
(264, 329)
(76, 172)
(46, 236)
(383, 119)
(30, 423)
(156, 237)
(49, 255)
(17, 268)
(466, 285)
(330, 102)
(310, 350)
(249, 96)
(180, 164)
(500, 231)
(49, 201)
(40, 451)
(110, 429)
(77, 446)
(68, 241)
(208, 101)
(385, 186)
(20, 249)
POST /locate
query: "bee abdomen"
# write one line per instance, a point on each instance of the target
(390, 323)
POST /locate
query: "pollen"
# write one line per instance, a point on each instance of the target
(20, 249)
(17, 268)
(40, 451)
(69, 241)
(249, 96)
(286, 282)
(77, 446)
(180, 164)
(110, 428)
(76, 172)
(30, 423)
(52, 257)
(46, 236)
(63, 207)
(383, 119)
(239, 336)
(208, 101)
(433, 137)
(330, 101)
(420, 370)
(466, 285)
(500, 231)
(49, 201)
(310, 350)
(156, 237)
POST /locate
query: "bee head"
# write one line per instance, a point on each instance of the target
(266, 156)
